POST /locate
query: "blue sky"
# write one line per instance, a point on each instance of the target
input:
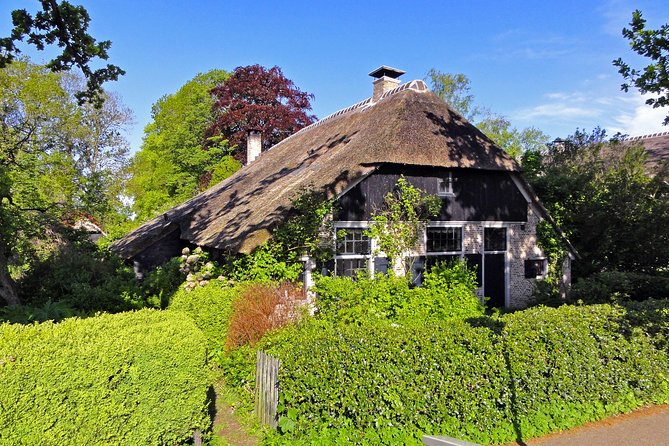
(543, 64)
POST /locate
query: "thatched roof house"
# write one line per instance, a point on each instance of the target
(400, 125)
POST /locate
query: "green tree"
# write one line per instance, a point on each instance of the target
(398, 225)
(58, 161)
(454, 89)
(176, 160)
(614, 212)
(654, 78)
(66, 26)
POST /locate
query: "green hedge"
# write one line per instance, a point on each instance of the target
(135, 378)
(210, 307)
(488, 380)
(447, 292)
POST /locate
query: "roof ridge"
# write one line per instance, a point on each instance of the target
(415, 85)
(650, 135)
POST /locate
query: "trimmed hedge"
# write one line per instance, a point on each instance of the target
(447, 293)
(488, 380)
(210, 307)
(135, 378)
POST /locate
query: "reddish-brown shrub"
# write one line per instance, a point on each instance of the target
(262, 308)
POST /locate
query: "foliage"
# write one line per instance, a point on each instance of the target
(67, 26)
(447, 292)
(615, 285)
(654, 78)
(271, 261)
(260, 99)
(60, 162)
(24, 314)
(176, 161)
(306, 231)
(261, 308)
(398, 225)
(210, 306)
(613, 211)
(135, 378)
(454, 89)
(84, 278)
(488, 380)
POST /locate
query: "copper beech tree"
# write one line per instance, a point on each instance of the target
(260, 99)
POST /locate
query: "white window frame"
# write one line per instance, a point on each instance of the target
(338, 226)
(442, 225)
(448, 181)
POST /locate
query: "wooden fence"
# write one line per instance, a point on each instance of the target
(267, 388)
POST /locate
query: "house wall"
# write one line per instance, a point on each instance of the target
(480, 199)
(478, 195)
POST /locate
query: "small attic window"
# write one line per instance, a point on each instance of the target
(445, 185)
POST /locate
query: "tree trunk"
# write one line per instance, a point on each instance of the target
(7, 290)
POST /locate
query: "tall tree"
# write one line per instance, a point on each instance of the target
(65, 25)
(615, 212)
(454, 89)
(52, 152)
(261, 99)
(177, 160)
(654, 78)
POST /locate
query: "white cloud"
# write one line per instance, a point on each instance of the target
(640, 119)
(560, 113)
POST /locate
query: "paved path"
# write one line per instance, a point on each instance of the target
(646, 427)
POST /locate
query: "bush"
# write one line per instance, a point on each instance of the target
(87, 279)
(488, 380)
(210, 306)
(135, 378)
(447, 292)
(261, 308)
(617, 285)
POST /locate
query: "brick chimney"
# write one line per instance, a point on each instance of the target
(386, 78)
(253, 146)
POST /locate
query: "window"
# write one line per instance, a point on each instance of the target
(353, 242)
(445, 185)
(535, 268)
(444, 239)
(350, 267)
(353, 251)
(494, 239)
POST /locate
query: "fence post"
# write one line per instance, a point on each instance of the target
(267, 388)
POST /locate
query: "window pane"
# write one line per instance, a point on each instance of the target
(444, 239)
(350, 267)
(494, 239)
(354, 242)
(534, 268)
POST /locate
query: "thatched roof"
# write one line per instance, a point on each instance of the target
(657, 147)
(407, 125)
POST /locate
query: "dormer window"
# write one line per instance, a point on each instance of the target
(445, 185)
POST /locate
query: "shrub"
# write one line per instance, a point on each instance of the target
(210, 306)
(447, 292)
(134, 378)
(488, 380)
(261, 308)
(89, 280)
(606, 286)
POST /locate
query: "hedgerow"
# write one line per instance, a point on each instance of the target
(210, 306)
(135, 378)
(486, 379)
(447, 292)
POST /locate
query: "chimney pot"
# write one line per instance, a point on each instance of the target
(386, 78)
(253, 146)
